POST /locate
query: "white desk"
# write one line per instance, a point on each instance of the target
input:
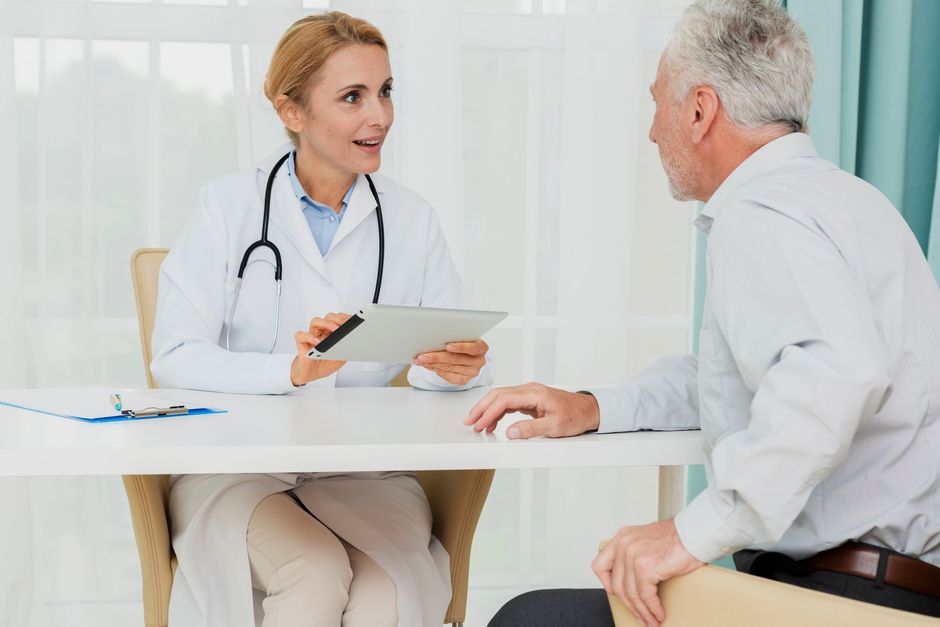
(345, 429)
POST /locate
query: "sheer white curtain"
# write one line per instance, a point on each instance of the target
(523, 121)
(16, 574)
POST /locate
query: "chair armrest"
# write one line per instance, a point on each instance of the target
(717, 597)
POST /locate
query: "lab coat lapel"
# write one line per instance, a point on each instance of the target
(288, 216)
(361, 205)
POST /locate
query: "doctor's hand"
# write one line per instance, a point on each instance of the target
(555, 413)
(633, 563)
(303, 369)
(458, 363)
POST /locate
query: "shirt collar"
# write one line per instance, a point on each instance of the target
(301, 194)
(793, 145)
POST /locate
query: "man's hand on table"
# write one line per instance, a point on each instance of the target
(555, 413)
(633, 563)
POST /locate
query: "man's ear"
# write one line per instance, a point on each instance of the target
(703, 104)
(290, 113)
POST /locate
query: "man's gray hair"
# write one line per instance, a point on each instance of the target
(752, 53)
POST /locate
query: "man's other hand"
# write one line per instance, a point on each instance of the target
(633, 563)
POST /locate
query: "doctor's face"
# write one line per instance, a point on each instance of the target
(349, 111)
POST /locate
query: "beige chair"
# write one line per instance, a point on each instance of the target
(718, 597)
(456, 496)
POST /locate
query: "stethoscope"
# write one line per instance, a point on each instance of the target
(265, 243)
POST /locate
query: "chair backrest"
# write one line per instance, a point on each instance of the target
(145, 272)
(718, 597)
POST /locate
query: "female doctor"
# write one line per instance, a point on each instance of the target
(312, 548)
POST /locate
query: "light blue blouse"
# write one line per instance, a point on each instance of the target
(323, 221)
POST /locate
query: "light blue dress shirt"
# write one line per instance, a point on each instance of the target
(323, 221)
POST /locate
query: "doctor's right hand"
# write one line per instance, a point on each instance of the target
(555, 413)
(303, 369)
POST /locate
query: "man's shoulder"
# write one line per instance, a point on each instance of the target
(811, 191)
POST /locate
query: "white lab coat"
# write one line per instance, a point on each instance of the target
(385, 515)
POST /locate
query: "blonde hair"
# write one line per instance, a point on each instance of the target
(305, 47)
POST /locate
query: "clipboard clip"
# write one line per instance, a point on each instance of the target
(155, 411)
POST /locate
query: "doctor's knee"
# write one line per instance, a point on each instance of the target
(290, 550)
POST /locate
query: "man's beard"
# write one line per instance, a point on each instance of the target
(678, 168)
(680, 193)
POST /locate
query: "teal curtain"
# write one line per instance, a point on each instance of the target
(875, 113)
(876, 100)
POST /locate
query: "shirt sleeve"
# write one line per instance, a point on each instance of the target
(801, 331)
(664, 397)
(190, 316)
(443, 288)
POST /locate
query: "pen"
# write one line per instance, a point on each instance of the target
(116, 401)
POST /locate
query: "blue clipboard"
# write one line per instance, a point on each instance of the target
(93, 405)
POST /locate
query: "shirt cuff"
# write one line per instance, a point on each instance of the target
(617, 406)
(704, 533)
(277, 374)
(426, 379)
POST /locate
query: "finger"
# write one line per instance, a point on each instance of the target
(504, 404)
(528, 412)
(491, 407)
(476, 347)
(602, 565)
(604, 577)
(323, 325)
(444, 357)
(537, 427)
(304, 340)
(525, 429)
(425, 359)
(468, 371)
(480, 406)
(452, 375)
(617, 583)
(631, 590)
(649, 594)
(500, 401)
(492, 427)
(338, 318)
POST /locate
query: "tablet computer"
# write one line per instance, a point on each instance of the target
(397, 333)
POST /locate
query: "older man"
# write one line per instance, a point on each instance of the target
(817, 387)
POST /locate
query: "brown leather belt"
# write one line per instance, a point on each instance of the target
(863, 560)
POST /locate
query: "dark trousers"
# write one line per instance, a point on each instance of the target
(589, 607)
(787, 570)
(556, 608)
